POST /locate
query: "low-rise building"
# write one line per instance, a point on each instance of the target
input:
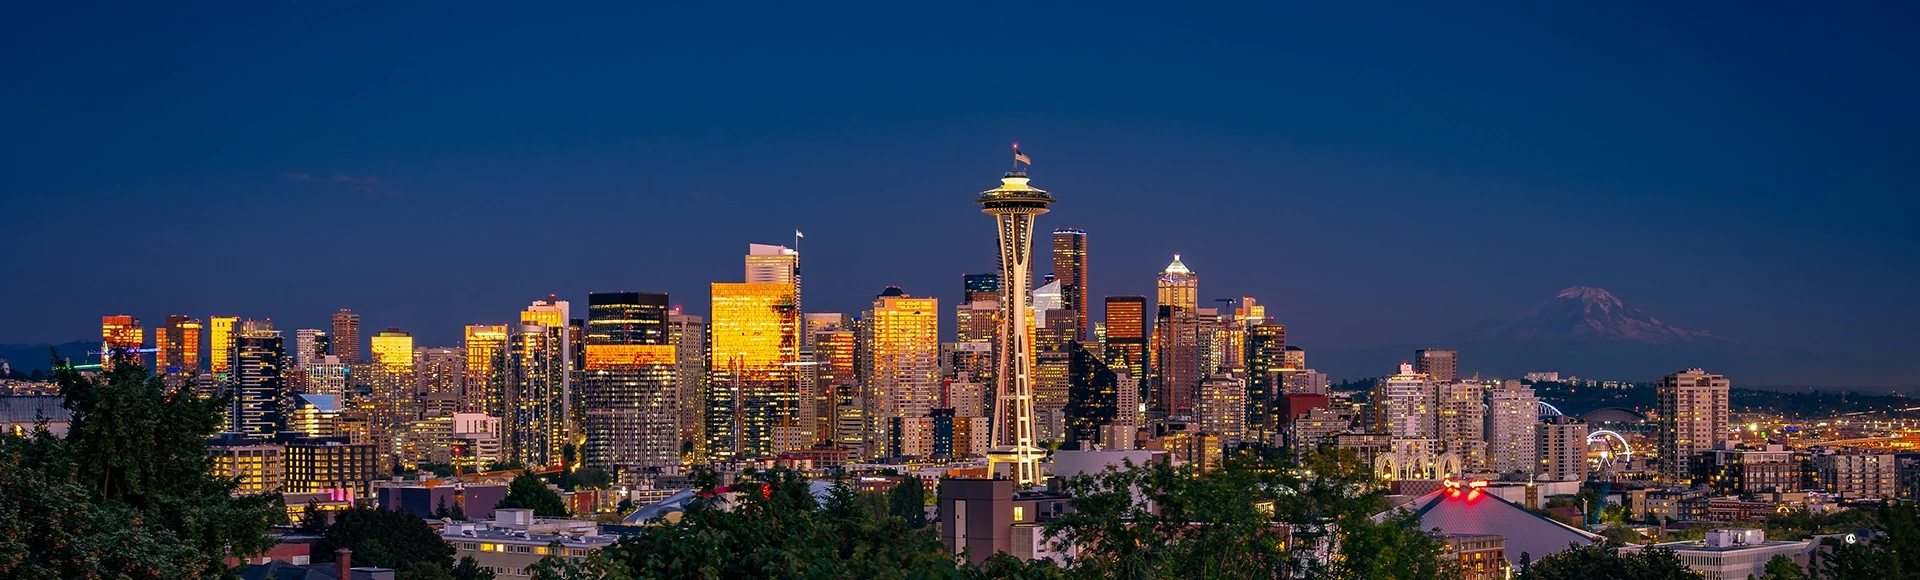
(514, 541)
(257, 466)
(1857, 475)
(1481, 556)
(1730, 553)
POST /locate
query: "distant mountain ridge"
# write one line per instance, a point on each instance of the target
(1584, 314)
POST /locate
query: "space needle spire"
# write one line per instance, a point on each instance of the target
(1013, 206)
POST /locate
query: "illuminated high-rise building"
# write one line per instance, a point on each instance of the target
(1070, 269)
(1562, 444)
(261, 399)
(1221, 406)
(1692, 418)
(439, 372)
(1125, 345)
(1178, 286)
(346, 336)
(1461, 422)
(1511, 417)
(483, 389)
(220, 342)
(1443, 364)
(1403, 405)
(310, 345)
(689, 335)
(394, 398)
(1177, 364)
(329, 377)
(177, 345)
(555, 316)
(1014, 205)
(769, 264)
(836, 382)
(906, 369)
(535, 397)
(120, 338)
(629, 389)
(818, 322)
(978, 287)
(1266, 347)
(1093, 399)
(753, 401)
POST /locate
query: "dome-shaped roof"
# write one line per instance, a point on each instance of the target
(1614, 415)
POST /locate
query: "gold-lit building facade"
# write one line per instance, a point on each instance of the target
(753, 399)
(258, 467)
(836, 386)
(393, 400)
(1070, 269)
(177, 345)
(906, 369)
(632, 411)
(536, 396)
(346, 336)
(120, 336)
(483, 387)
(220, 333)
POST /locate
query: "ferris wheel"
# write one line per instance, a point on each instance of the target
(1609, 449)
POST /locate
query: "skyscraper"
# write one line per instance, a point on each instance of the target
(535, 398)
(1511, 417)
(837, 383)
(1443, 364)
(440, 373)
(1093, 398)
(1014, 205)
(1177, 368)
(1125, 348)
(980, 287)
(752, 399)
(769, 264)
(310, 345)
(484, 387)
(261, 401)
(1563, 449)
(632, 425)
(177, 345)
(555, 317)
(1070, 269)
(1178, 286)
(906, 369)
(1461, 424)
(689, 335)
(394, 399)
(346, 336)
(1221, 406)
(1403, 405)
(1266, 347)
(1692, 416)
(220, 343)
(120, 338)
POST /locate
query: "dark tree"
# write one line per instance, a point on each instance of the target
(387, 539)
(530, 492)
(1601, 560)
(908, 501)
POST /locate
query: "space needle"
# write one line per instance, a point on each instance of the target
(1013, 206)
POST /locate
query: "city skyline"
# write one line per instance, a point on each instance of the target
(1310, 185)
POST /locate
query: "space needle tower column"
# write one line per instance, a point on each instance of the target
(1013, 206)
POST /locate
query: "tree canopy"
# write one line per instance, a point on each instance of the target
(129, 492)
(529, 492)
(1603, 560)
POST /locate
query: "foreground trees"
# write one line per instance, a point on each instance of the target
(128, 492)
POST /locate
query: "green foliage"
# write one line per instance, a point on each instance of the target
(1158, 521)
(1892, 555)
(453, 512)
(387, 539)
(438, 469)
(1602, 560)
(128, 492)
(1781, 567)
(1003, 566)
(908, 502)
(1621, 536)
(596, 566)
(424, 571)
(774, 528)
(585, 477)
(527, 491)
(468, 569)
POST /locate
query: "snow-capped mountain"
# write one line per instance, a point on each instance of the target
(1589, 314)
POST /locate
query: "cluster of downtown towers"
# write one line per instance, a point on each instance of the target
(639, 388)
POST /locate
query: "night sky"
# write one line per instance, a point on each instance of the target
(1377, 173)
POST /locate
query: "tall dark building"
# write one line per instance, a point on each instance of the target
(1125, 346)
(626, 318)
(346, 336)
(1093, 397)
(1266, 373)
(1070, 268)
(261, 401)
(980, 287)
(630, 389)
(1442, 364)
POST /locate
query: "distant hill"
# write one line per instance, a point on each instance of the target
(27, 357)
(1589, 332)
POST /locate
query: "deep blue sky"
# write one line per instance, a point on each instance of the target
(1379, 173)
